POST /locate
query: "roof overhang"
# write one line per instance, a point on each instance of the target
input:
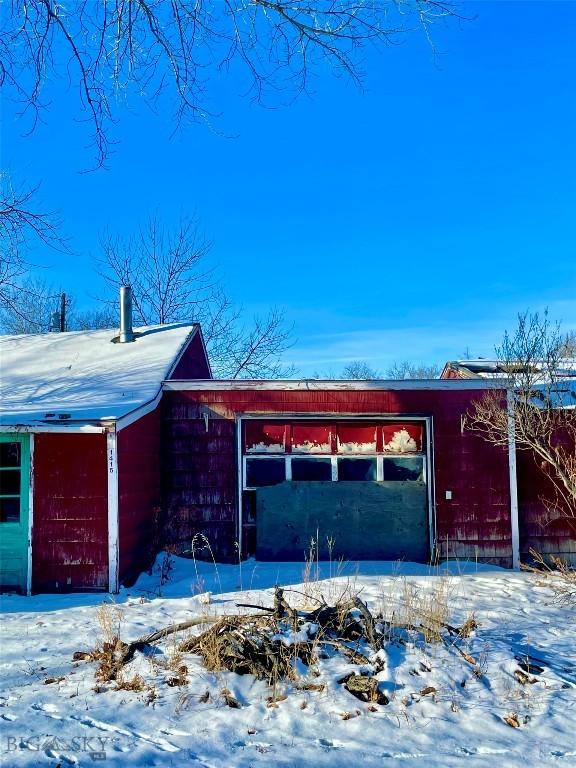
(311, 385)
(68, 428)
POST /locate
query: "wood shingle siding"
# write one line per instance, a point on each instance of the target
(70, 533)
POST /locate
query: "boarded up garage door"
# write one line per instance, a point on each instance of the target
(360, 482)
(367, 521)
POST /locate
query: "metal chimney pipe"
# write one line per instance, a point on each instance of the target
(126, 332)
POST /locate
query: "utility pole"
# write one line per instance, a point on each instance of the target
(62, 313)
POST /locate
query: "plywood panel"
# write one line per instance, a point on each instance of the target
(364, 521)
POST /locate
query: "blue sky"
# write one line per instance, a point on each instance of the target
(411, 221)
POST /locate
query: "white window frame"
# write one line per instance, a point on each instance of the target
(332, 456)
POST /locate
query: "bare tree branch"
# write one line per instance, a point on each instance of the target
(406, 370)
(568, 346)
(20, 221)
(543, 417)
(113, 50)
(27, 308)
(34, 302)
(170, 283)
(256, 352)
(359, 370)
(21, 227)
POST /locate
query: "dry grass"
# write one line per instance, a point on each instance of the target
(330, 619)
(109, 617)
(410, 605)
(201, 549)
(109, 646)
(427, 609)
(135, 683)
(555, 574)
(333, 589)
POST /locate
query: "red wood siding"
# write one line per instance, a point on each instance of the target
(193, 363)
(474, 524)
(200, 496)
(451, 373)
(544, 532)
(139, 495)
(70, 533)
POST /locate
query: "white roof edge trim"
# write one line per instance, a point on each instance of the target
(82, 374)
(142, 410)
(138, 413)
(90, 429)
(338, 384)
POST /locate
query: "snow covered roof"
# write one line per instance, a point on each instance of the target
(492, 369)
(558, 391)
(85, 376)
(559, 394)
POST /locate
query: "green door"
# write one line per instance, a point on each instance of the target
(14, 502)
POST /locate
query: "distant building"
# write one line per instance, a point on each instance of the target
(495, 369)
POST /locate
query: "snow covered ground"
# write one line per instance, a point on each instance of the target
(75, 721)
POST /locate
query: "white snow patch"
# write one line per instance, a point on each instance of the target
(351, 447)
(460, 723)
(307, 446)
(83, 375)
(265, 448)
(401, 442)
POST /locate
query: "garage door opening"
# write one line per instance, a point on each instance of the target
(358, 488)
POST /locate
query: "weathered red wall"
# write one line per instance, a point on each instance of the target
(70, 533)
(193, 363)
(541, 530)
(139, 494)
(202, 475)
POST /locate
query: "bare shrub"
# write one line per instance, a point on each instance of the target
(555, 574)
(135, 683)
(538, 413)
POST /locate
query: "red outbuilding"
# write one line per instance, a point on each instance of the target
(80, 453)
(366, 469)
(112, 446)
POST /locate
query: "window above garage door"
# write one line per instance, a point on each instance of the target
(276, 451)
